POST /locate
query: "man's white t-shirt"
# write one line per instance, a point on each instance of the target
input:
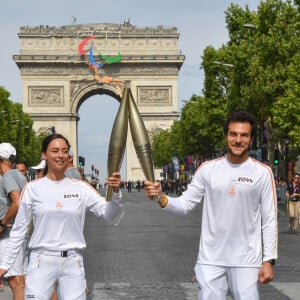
(239, 221)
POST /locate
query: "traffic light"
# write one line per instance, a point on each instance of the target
(81, 161)
(276, 157)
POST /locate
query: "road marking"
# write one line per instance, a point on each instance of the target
(119, 219)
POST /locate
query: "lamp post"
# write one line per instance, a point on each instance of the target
(286, 141)
(187, 103)
(17, 138)
(224, 76)
(249, 26)
(223, 64)
(93, 168)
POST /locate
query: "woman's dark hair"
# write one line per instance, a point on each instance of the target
(243, 117)
(47, 140)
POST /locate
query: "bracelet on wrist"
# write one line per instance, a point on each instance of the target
(164, 201)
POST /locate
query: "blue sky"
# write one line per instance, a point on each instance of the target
(200, 23)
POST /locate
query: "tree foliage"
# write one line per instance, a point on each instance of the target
(162, 151)
(16, 128)
(256, 70)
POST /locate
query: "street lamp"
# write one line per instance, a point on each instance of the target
(286, 141)
(249, 26)
(14, 121)
(222, 64)
(188, 101)
(192, 101)
(93, 168)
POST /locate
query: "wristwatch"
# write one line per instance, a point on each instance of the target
(271, 261)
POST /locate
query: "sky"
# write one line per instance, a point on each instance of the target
(200, 23)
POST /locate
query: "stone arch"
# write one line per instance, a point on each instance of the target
(89, 90)
(56, 79)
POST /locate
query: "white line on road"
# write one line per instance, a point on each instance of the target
(119, 219)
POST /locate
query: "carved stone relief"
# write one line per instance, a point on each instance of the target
(46, 96)
(77, 86)
(154, 95)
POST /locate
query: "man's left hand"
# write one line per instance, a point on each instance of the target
(265, 273)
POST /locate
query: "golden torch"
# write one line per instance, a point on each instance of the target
(117, 141)
(141, 140)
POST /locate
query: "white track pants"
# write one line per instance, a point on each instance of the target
(46, 268)
(214, 282)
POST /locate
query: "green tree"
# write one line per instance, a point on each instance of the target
(202, 127)
(16, 128)
(261, 48)
(257, 71)
(161, 148)
(286, 109)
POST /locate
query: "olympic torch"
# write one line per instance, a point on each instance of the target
(117, 141)
(141, 140)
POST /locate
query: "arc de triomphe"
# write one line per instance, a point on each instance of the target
(56, 79)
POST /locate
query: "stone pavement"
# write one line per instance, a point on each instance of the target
(5, 293)
(286, 285)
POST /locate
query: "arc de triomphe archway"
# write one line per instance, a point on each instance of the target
(56, 79)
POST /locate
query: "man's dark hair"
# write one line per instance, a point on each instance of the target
(241, 116)
(22, 163)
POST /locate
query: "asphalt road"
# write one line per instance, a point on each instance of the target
(148, 250)
(149, 254)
